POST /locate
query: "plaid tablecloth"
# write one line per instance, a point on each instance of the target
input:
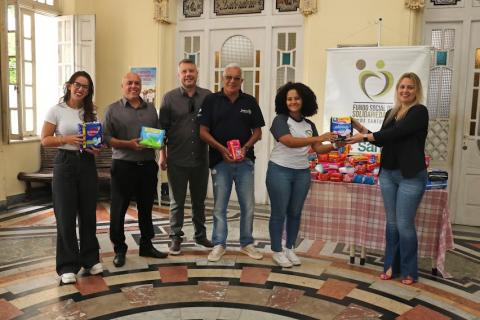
(353, 213)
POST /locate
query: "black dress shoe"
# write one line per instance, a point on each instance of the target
(119, 260)
(152, 252)
(204, 242)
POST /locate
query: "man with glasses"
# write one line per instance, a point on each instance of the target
(185, 155)
(231, 115)
(134, 169)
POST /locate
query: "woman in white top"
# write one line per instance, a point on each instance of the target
(74, 186)
(288, 174)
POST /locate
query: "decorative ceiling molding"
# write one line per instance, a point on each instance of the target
(414, 4)
(160, 13)
(308, 7)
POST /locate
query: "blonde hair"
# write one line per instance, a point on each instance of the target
(397, 111)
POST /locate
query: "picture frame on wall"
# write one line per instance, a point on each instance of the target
(287, 5)
(148, 75)
(192, 8)
(232, 7)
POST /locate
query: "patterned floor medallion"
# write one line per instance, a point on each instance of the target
(188, 286)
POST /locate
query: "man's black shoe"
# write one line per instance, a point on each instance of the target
(175, 245)
(204, 242)
(152, 252)
(119, 260)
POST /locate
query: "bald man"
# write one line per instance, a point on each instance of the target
(134, 169)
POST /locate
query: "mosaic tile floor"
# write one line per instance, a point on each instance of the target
(325, 286)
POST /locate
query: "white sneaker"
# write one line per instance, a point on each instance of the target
(250, 251)
(294, 259)
(96, 269)
(280, 259)
(67, 278)
(217, 253)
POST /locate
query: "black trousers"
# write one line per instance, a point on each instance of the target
(74, 189)
(132, 178)
(197, 180)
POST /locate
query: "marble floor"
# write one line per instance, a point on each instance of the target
(325, 286)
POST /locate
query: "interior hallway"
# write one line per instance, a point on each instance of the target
(326, 286)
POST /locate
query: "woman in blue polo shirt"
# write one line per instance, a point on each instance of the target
(288, 174)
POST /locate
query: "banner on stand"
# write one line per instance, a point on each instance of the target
(360, 82)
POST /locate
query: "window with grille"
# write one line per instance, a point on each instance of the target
(240, 50)
(474, 125)
(192, 49)
(439, 97)
(440, 86)
(286, 58)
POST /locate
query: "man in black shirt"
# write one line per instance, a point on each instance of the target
(231, 115)
(185, 155)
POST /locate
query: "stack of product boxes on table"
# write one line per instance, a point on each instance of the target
(340, 166)
(363, 168)
(437, 179)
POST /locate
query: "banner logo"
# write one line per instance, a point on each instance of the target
(365, 75)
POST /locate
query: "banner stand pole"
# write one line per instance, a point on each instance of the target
(379, 32)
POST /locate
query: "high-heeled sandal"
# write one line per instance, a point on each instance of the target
(385, 276)
(408, 281)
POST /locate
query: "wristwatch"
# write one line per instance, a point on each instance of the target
(365, 137)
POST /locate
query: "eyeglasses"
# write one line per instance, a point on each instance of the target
(230, 78)
(191, 105)
(78, 85)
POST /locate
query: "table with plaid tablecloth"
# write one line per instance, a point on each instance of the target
(353, 214)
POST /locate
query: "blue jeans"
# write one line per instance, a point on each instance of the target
(223, 176)
(401, 197)
(287, 189)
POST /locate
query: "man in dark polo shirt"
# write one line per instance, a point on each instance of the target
(185, 157)
(134, 169)
(228, 115)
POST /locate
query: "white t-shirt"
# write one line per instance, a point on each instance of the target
(294, 158)
(66, 121)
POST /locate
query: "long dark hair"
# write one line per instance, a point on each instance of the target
(88, 106)
(309, 100)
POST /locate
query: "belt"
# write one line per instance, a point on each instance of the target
(137, 163)
(73, 152)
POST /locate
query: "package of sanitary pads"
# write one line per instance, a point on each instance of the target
(93, 134)
(342, 126)
(152, 137)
